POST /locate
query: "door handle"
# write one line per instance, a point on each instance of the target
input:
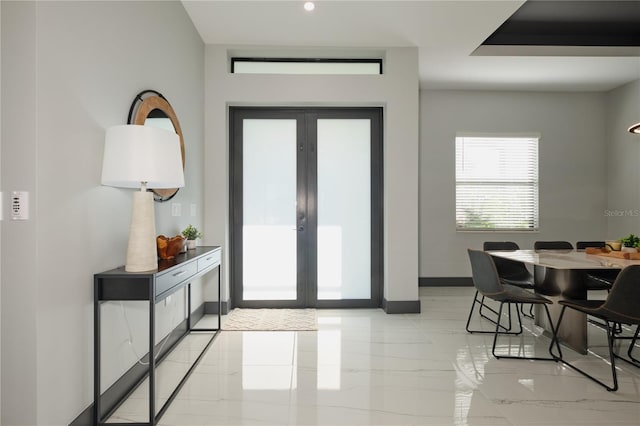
(299, 228)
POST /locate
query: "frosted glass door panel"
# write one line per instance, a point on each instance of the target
(344, 209)
(269, 262)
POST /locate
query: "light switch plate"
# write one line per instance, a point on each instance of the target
(176, 209)
(19, 205)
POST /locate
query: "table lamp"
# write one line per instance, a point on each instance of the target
(142, 157)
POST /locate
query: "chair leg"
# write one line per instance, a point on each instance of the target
(473, 304)
(495, 339)
(495, 335)
(617, 327)
(506, 330)
(633, 345)
(554, 332)
(531, 311)
(483, 305)
(631, 360)
(530, 314)
(610, 338)
(555, 339)
(612, 356)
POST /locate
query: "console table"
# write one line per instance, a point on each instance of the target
(153, 287)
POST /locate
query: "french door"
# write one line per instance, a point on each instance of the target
(306, 207)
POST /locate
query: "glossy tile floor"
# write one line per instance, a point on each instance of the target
(364, 367)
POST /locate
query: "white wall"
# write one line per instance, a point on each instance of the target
(19, 277)
(1, 213)
(623, 157)
(396, 91)
(572, 168)
(70, 70)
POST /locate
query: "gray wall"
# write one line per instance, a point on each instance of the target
(70, 70)
(396, 90)
(572, 169)
(623, 156)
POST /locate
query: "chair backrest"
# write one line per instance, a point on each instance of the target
(624, 296)
(506, 267)
(552, 245)
(484, 272)
(499, 245)
(581, 245)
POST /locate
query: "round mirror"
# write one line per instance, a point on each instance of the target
(150, 108)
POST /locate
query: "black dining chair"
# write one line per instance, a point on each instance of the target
(510, 271)
(597, 279)
(488, 284)
(582, 245)
(549, 245)
(491, 246)
(620, 307)
(552, 245)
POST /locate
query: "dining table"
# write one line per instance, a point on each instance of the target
(561, 274)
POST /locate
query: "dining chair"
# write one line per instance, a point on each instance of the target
(490, 246)
(488, 284)
(540, 271)
(582, 245)
(597, 279)
(552, 245)
(510, 271)
(620, 307)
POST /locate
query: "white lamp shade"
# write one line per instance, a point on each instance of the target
(134, 154)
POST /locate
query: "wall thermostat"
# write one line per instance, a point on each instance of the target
(19, 205)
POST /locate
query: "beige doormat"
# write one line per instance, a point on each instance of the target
(271, 320)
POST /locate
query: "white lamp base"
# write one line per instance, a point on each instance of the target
(142, 252)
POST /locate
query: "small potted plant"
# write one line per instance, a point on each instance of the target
(630, 243)
(191, 233)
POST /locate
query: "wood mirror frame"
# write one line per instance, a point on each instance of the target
(144, 104)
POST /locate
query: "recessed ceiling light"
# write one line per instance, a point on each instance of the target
(635, 128)
(309, 6)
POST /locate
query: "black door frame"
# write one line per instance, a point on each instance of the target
(306, 129)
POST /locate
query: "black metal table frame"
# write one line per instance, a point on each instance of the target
(153, 299)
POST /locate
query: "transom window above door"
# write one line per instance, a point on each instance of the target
(497, 183)
(317, 66)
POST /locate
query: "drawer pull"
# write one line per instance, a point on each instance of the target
(177, 274)
(209, 258)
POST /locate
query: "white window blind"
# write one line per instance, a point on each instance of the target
(497, 183)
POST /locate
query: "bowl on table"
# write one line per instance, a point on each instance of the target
(168, 248)
(613, 245)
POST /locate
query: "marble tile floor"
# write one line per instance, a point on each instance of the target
(364, 367)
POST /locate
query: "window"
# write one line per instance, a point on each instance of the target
(497, 183)
(305, 66)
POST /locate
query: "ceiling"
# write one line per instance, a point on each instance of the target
(449, 35)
